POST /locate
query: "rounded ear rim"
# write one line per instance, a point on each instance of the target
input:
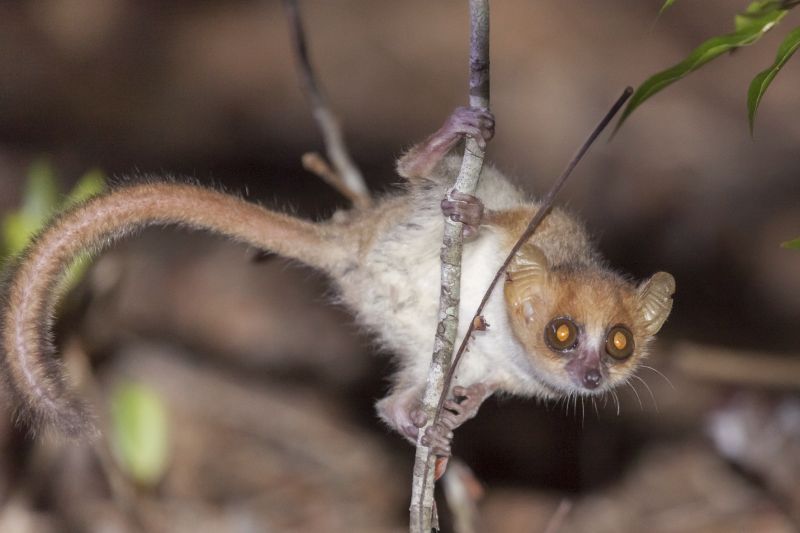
(529, 262)
(527, 271)
(655, 300)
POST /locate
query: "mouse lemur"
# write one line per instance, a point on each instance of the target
(565, 324)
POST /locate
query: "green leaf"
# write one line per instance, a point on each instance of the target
(793, 244)
(752, 28)
(38, 204)
(17, 230)
(763, 79)
(90, 184)
(666, 6)
(40, 201)
(140, 433)
(749, 17)
(41, 192)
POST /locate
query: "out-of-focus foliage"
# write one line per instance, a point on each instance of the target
(763, 79)
(42, 200)
(138, 418)
(666, 6)
(140, 433)
(749, 26)
(39, 202)
(90, 184)
(794, 244)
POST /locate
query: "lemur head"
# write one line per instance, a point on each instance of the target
(585, 328)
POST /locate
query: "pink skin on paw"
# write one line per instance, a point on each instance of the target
(464, 208)
(464, 121)
(462, 407)
(401, 411)
(472, 122)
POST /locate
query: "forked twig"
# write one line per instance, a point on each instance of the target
(316, 164)
(345, 176)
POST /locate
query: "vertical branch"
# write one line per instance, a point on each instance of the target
(346, 178)
(421, 510)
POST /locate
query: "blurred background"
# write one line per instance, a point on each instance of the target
(258, 394)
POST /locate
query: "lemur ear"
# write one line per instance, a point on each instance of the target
(529, 264)
(527, 270)
(655, 300)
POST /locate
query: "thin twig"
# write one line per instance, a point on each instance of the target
(123, 492)
(347, 176)
(463, 491)
(423, 467)
(744, 368)
(421, 510)
(559, 516)
(316, 164)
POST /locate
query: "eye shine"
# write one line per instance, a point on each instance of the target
(619, 342)
(561, 334)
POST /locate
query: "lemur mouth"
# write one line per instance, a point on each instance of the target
(558, 390)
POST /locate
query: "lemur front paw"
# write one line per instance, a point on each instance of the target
(475, 122)
(464, 208)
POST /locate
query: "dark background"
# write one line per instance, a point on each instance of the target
(207, 89)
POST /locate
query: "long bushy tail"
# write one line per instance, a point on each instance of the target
(32, 373)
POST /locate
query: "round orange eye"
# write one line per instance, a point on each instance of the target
(619, 342)
(561, 334)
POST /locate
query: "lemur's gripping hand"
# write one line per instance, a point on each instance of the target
(463, 406)
(421, 160)
(464, 208)
(474, 122)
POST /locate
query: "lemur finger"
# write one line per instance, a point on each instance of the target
(418, 417)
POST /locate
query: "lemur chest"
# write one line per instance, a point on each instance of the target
(395, 291)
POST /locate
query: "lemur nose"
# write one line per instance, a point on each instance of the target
(592, 378)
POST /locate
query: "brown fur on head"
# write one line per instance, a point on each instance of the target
(569, 316)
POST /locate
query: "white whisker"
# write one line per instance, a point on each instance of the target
(583, 411)
(652, 396)
(638, 398)
(650, 368)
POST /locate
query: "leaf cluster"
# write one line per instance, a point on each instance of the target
(749, 26)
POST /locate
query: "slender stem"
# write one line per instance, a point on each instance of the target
(421, 510)
(347, 176)
(558, 518)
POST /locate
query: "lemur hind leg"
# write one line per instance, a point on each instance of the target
(463, 406)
